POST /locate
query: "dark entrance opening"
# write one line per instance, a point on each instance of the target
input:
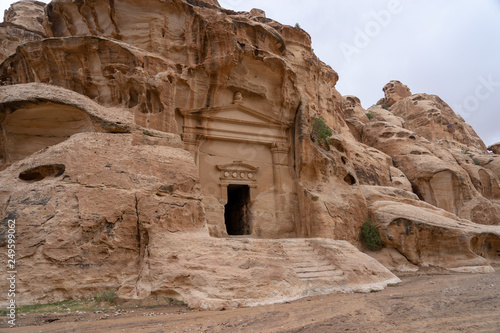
(236, 210)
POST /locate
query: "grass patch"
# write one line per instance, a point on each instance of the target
(107, 297)
(392, 285)
(83, 305)
(105, 301)
(369, 115)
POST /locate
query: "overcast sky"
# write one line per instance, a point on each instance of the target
(450, 48)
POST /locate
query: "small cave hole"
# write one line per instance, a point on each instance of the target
(344, 159)
(337, 144)
(41, 172)
(415, 190)
(349, 179)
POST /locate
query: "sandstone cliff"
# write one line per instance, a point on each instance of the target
(174, 149)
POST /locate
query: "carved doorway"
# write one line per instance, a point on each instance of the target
(236, 210)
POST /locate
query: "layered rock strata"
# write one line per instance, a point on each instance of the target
(178, 148)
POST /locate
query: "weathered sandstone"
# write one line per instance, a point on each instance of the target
(495, 148)
(446, 178)
(429, 236)
(432, 118)
(77, 206)
(178, 148)
(395, 91)
(22, 23)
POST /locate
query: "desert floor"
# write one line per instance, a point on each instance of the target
(435, 302)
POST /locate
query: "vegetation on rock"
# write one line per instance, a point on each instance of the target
(320, 131)
(370, 236)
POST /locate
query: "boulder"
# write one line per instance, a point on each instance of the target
(395, 91)
(495, 148)
(427, 236)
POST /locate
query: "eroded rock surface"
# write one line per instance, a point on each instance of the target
(443, 166)
(429, 236)
(178, 148)
(22, 23)
(78, 205)
(394, 92)
(495, 148)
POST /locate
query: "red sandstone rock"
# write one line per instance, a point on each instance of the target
(182, 149)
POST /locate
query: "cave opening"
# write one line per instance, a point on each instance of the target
(236, 210)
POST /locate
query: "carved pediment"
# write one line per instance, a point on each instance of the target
(238, 172)
(238, 166)
(235, 123)
(235, 113)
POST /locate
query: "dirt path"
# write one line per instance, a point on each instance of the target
(425, 303)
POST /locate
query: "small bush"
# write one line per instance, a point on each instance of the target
(297, 25)
(320, 131)
(385, 106)
(370, 236)
(370, 115)
(107, 297)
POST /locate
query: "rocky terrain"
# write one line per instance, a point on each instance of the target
(421, 303)
(185, 150)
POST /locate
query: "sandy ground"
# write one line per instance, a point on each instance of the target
(421, 303)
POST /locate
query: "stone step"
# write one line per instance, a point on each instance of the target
(322, 274)
(309, 265)
(313, 265)
(302, 254)
(314, 269)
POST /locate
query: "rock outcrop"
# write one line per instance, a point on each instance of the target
(394, 92)
(178, 148)
(495, 149)
(428, 236)
(23, 22)
(440, 155)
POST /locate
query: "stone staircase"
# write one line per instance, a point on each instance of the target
(308, 264)
(215, 273)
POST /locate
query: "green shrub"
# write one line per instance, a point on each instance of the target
(297, 25)
(320, 131)
(370, 115)
(385, 106)
(107, 297)
(370, 236)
